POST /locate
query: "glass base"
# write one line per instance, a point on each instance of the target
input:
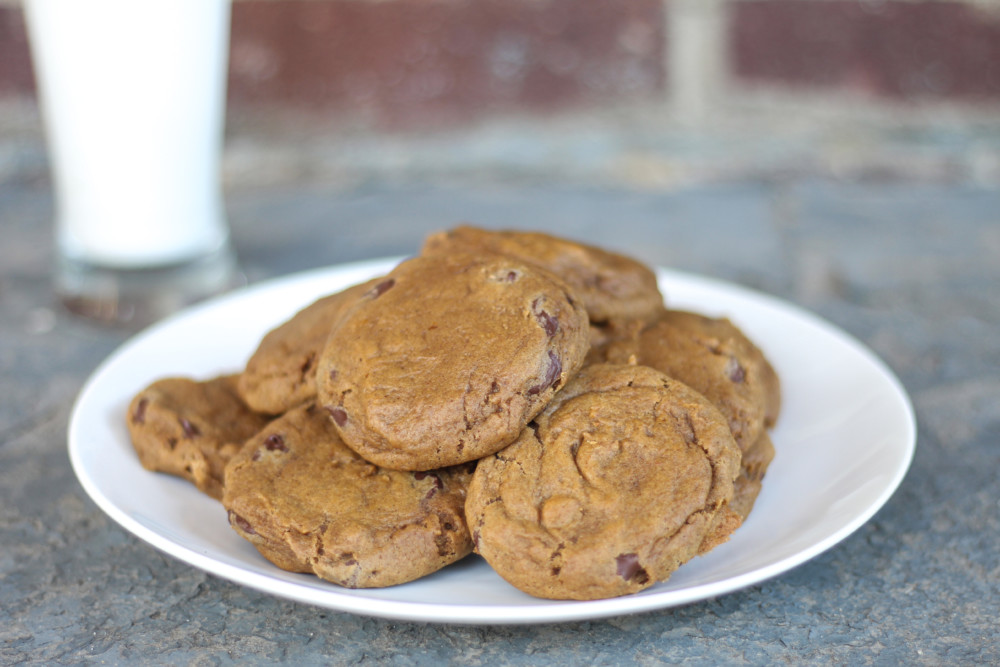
(140, 296)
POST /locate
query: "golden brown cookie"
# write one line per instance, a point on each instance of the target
(612, 286)
(746, 488)
(614, 486)
(281, 373)
(308, 503)
(714, 357)
(756, 461)
(448, 358)
(613, 334)
(190, 428)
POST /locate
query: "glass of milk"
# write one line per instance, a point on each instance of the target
(133, 99)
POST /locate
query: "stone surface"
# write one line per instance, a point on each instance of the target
(913, 271)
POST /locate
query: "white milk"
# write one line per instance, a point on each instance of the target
(133, 97)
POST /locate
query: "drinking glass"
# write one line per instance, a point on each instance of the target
(132, 97)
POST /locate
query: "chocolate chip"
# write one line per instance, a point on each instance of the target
(139, 416)
(506, 276)
(339, 415)
(443, 545)
(735, 371)
(307, 364)
(333, 375)
(190, 430)
(275, 442)
(438, 484)
(549, 323)
(382, 288)
(551, 375)
(629, 568)
(241, 523)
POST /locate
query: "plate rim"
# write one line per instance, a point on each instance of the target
(497, 614)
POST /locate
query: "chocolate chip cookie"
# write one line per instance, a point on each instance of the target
(612, 286)
(714, 357)
(308, 503)
(446, 359)
(609, 490)
(281, 373)
(746, 488)
(753, 467)
(191, 428)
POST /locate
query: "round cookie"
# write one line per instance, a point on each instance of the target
(308, 503)
(617, 332)
(614, 486)
(612, 286)
(190, 428)
(281, 373)
(448, 358)
(753, 465)
(715, 358)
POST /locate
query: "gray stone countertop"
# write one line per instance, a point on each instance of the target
(911, 270)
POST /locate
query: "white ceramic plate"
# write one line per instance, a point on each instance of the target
(844, 442)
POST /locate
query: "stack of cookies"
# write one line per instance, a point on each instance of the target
(514, 394)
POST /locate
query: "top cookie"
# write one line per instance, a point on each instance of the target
(610, 285)
(616, 484)
(281, 373)
(446, 359)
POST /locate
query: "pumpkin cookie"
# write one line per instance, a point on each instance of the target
(614, 486)
(746, 488)
(756, 461)
(612, 286)
(446, 359)
(712, 356)
(281, 373)
(191, 429)
(308, 503)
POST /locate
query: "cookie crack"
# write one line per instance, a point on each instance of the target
(306, 366)
(573, 450)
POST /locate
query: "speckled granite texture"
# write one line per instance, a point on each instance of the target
(912, 270)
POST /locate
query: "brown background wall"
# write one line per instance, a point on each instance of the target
(412, 66)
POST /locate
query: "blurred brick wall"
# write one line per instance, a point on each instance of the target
(15, 63)
(418, 62)
(904, 50)
(416, 65)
